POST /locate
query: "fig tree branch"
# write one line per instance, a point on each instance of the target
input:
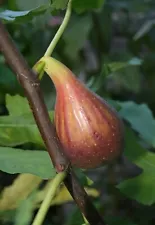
(31, 85)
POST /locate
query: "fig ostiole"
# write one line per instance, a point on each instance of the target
(89, 130)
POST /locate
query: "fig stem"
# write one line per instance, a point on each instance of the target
(53, 187)
(60, 30)
(38, 68)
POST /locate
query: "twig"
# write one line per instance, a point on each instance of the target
(60, 30)
(39, 69)
(53, 187)
(30, 84)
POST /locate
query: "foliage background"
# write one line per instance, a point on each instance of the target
(109, 45)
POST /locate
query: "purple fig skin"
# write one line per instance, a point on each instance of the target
(88, 128)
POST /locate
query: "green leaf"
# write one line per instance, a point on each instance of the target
(137, 154)
(7, 216)
(24, 212)
(84, 5)
(13, 101)
(145, 28)
(28, 4)
(142, 187)
(141, 119)
(59, 4)
(25, 161)
(129, 78)
(85, 181)
(24, 184)
(113, 220)
(75, 217)
(20, 16)
(109, 68)
(74, 45)
(125, 74)
(8, 82)
(17, 130)
(19, 127)
(115, 66)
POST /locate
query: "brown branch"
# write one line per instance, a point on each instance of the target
(2, 2)
(82, 200)
(31, 86)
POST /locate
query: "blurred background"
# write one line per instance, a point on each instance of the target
(110, 46)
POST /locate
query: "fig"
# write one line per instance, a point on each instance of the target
(89, 130)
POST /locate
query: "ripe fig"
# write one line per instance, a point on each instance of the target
(88, 128)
